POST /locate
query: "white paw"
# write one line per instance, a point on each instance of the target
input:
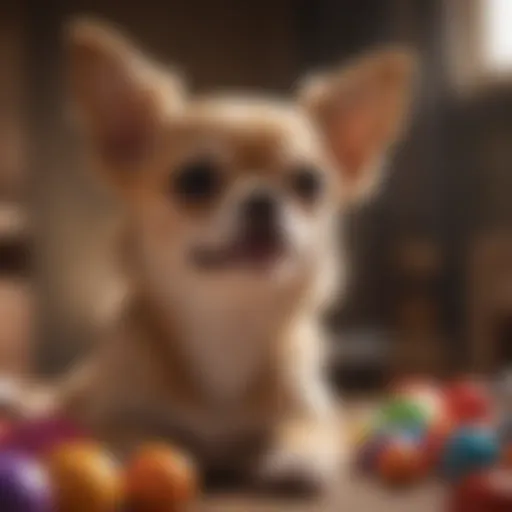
(298, 472)
(18, 400)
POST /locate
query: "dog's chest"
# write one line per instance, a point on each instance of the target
(228, 339)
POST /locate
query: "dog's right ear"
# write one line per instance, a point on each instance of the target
(120, 96)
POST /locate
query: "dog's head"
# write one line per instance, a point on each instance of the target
(225, 188)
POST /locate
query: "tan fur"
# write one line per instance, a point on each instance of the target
(228, 363)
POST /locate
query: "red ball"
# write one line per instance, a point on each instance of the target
(436, 438)
(490, 491)
(401, 462)
(468, 401)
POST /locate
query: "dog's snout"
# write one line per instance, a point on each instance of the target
(260, 209)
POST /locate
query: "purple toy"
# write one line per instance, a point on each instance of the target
(24, 485)
(38, 436)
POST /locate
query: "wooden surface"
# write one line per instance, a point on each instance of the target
(352, 495)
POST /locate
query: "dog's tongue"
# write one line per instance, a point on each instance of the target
(258, 249)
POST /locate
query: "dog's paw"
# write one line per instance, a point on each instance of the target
(297, 473)
(21, 400)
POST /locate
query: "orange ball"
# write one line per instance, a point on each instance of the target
(86, 478)
(159, 479)
(401, 462)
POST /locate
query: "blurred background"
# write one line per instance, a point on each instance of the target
(432, 256)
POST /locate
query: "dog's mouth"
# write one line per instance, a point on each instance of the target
(258, 250)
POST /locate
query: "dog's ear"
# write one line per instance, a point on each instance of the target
(120, 97)
(360, 111)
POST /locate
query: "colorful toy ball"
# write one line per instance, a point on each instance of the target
(24, 485)
(404, 412)
(468, 402)
(401, 462)
(85, 477)
(483, 492)
(159, 479)
(435, 439)
(369, 452)
(39, 436)
(469, 450)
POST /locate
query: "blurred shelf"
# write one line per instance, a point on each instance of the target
(362, 346)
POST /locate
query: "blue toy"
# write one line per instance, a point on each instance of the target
(468, 450)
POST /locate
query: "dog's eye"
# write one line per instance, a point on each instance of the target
(306, 183)
(197, 181)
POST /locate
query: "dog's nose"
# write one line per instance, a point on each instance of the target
(260, 210)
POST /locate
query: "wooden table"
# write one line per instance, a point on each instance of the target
(355, 495)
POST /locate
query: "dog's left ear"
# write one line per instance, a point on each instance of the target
(361, 112)
(120, 96)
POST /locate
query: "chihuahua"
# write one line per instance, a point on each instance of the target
(228, 253)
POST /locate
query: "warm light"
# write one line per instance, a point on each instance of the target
(496, 16)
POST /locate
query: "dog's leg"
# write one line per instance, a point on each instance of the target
(303, 459)
(307, 449)
(305, 455)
